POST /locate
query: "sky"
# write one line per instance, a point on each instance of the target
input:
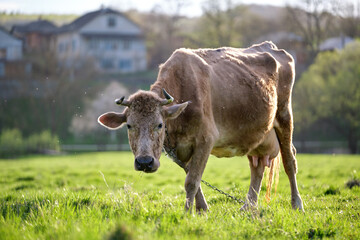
(83, 6)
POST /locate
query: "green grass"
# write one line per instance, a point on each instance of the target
(100, 196)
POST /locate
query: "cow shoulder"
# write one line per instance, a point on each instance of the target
(185, 76)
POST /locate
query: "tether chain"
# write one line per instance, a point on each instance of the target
(222, 192)
(171, 152)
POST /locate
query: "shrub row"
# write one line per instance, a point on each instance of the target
(13, 144)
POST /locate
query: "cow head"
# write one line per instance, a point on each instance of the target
(144, 117)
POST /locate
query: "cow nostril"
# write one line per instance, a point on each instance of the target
(144, 163)
(137, 164)
(151, 163)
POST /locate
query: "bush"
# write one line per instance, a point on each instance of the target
(42, 143)
(12, 143)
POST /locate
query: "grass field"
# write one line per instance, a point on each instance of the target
(100, 196)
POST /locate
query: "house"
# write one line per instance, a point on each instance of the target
(10, 46)
(37, 35)
(335, 43)
(12, 65)
(106, 37)
(11, 54)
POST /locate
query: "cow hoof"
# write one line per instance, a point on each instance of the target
(201, 211)
(297, 203)
(247, 207)
(202, 208)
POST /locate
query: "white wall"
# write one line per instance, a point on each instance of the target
(100, 25)
(125, 54)
(68, 45)
(12, 45)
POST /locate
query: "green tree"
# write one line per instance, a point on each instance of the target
(329, 91)
(218, 23)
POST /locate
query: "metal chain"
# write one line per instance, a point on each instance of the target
(222, 192)
(171, 153)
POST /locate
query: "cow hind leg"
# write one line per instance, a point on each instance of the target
(257, 167)
(284, 131)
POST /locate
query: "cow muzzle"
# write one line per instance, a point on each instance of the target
(146, 164)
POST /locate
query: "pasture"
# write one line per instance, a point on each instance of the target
(100, 196)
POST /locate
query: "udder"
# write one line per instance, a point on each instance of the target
(266, 151)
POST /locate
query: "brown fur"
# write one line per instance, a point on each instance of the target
(238, 96)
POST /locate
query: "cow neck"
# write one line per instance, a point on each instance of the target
(171, 151)
(155, 88)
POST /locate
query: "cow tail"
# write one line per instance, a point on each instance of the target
(272, 173)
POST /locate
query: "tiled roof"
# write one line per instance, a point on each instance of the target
(40, 26)
(335, 43)
(47, 27)
(81, 21)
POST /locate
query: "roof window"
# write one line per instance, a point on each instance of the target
(111, 22)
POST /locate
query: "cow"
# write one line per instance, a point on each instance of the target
(226, 102)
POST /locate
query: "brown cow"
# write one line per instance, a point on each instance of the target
(228, 102)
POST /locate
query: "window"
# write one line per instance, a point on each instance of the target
(111, 21)
(61, 47)
(94, 44)
(109, 45)
(107, 63)
(126, 44)
(2, 53)
(2, 69)
(125, 64)
(73, 45)
(64, 47)
(28, 69)
(114, 45)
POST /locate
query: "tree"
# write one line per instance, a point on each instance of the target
(313, 21)
(161, 27)
(219, 21)
(349, 17)
(329, 91)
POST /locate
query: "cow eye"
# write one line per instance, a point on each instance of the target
(160, 126)
(128, 126)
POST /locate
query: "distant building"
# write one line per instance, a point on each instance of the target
(11, 63)
(108, 38)
(37, 35)
(335, 43)
(10, 46)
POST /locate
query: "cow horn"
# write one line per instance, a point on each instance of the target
(169, 99)
(122, 101)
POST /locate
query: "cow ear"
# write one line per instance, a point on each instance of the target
(112, 120)
(175, 110)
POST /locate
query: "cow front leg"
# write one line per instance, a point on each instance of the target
(196, 168)
(201, 204)
(284, 132)
(257, 167)
(200, 201)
